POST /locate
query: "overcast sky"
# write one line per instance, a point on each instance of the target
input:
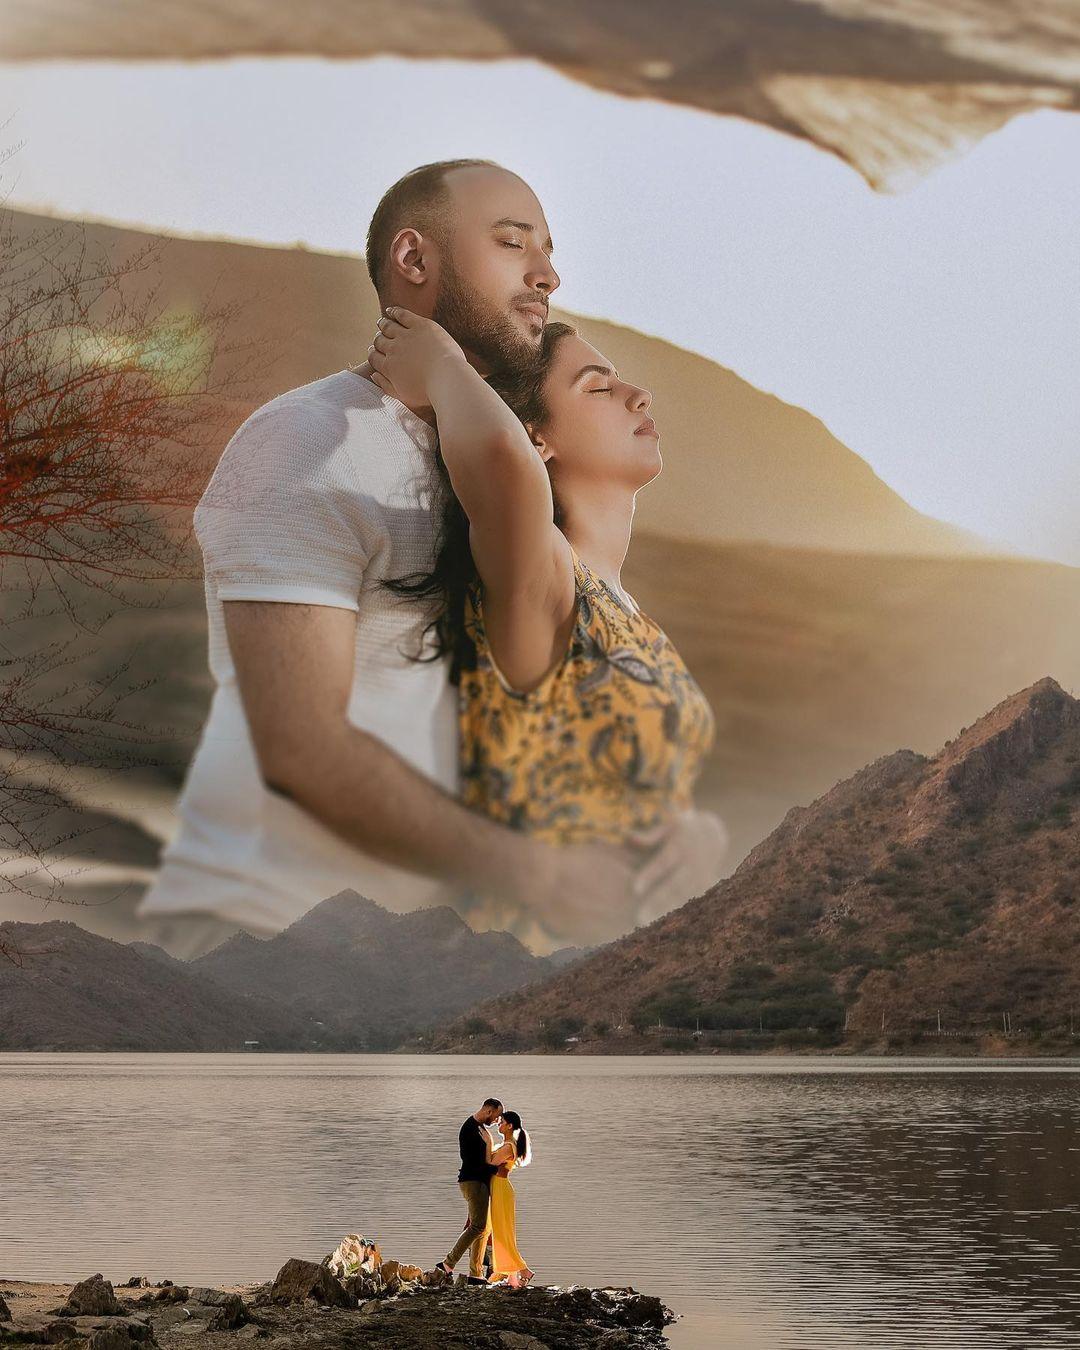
(936, 332)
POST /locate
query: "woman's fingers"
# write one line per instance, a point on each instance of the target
(650, 838)
(382, 382)
(657, 869)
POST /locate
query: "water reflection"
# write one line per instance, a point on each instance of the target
(778, 1205)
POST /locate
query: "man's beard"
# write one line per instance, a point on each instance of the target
(480, 328)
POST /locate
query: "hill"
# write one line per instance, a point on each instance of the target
(821, 638)
(370, 976)
(765, 470)
(78, 991)
(917, 889)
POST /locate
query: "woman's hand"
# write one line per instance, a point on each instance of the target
(405, 354)
(687, 858)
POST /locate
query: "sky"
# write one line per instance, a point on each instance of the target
(935, 332)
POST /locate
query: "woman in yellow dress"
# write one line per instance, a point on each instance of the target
(507, 1263)
(579, 722)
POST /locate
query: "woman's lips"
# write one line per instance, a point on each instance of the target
(647, 428)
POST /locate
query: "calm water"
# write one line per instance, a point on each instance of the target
(777, 1205)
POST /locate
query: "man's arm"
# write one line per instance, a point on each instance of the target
(294, 668)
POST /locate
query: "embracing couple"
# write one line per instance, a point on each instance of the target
(485, 1183)
(431, 686)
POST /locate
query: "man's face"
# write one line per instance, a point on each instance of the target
(491, 1114)
(495, 272)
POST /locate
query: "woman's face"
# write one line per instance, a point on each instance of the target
(598, 431)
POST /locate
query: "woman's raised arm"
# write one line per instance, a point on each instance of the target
(496, 471)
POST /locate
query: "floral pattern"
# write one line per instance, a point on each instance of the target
(611, 741)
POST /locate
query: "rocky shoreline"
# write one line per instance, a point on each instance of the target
(388, 1304)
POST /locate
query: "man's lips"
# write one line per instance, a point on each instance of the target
(647, 428)
(538, 312)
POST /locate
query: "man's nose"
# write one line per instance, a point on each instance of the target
(542, 276)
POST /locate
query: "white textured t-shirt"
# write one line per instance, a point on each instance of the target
(320, 495)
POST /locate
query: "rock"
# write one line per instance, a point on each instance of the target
(128, 1336)
(518, 1340)
(172, 1293)
(58, 1331)
(216, 1298)
(5, 1311)
(631, 1309)
(91, 1298)
(354, 1255)
(250, 1331)
(435, 1279)
(297, 1280)
(233, 1314)
(192, 1328)
(39, 1330)
(361, 1287)
(136, 1282)
(400, 1270)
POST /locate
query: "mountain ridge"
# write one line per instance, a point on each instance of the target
(920, 882)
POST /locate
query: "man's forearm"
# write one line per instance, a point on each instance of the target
(365, 792)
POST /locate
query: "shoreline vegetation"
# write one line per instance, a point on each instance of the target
(381, 1304)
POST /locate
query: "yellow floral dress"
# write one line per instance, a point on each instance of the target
(610, 742)
(505, 1257)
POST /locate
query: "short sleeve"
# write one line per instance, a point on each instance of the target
(284, 516)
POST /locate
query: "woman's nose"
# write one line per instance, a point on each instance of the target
(640, 399)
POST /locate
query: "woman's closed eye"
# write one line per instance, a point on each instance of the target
(600, 391)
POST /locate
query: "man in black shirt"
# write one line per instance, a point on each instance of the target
(474, 1181)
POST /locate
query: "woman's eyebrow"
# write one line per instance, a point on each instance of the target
(596, 370)
(507, 224)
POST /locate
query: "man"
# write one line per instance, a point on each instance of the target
(474, 1181)
(329, 759)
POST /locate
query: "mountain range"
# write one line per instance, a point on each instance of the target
(349, 975)
(921, 894)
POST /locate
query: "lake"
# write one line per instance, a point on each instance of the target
(777, 1204)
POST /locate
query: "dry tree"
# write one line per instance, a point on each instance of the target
(109, 399)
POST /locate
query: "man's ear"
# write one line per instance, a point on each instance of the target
(411, 257)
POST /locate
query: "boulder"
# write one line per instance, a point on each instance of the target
(216, 1298)
(298, 1280)
(136, 1282)
(400, 1270)
(5, 1311)
(91, 1298)
(354, 1255)
(361, 1287)
(172, 1293)
(232, 1314)
(53, 1332)
(123, 1336)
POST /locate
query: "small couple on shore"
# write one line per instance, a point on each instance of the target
(431, 685)
(484, 1180)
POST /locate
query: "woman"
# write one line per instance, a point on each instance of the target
(507, 1263)
(579, 721)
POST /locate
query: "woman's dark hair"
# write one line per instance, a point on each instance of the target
(447, 584)
(524, 1152)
